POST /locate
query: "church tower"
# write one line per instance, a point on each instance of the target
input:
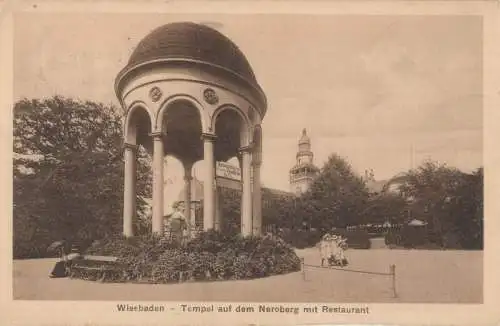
(303, 172)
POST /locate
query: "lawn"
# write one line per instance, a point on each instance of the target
(421, 277)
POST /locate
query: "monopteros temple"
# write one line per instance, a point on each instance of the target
(188, 91)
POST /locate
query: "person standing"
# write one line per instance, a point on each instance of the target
(179, 226)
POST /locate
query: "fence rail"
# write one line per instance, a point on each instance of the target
(391, 273)
(347, 270)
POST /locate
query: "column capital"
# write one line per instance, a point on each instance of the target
(208, 137)
(132, 147)
(188, 178)
(157, 134)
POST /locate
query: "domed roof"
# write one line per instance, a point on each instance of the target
(194, 43)
(305, 138)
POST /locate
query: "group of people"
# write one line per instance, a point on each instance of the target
(332, 249)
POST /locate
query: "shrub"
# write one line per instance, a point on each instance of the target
(356, 239)
(392, 237)
(223, 267)
(410, 237)
(211, 256)
(301, 238)
(169, 266)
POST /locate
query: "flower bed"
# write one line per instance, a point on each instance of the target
(211, 256)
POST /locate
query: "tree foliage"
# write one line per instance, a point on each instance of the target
(337, 197)
(68, 172)
(468, 209)
(449, 200)
(385, 207)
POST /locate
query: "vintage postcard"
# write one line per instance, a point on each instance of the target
(267, 163)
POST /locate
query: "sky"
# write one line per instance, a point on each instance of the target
(385, 92)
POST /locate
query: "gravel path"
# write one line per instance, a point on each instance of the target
(422, 277)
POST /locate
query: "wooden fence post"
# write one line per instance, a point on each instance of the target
(303, 269)
(393, 274)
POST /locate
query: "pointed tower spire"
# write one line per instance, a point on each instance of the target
(304, 171)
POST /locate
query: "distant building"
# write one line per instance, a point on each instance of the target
(268, 196)
(374, 186)
(302, 174)
(396, 184)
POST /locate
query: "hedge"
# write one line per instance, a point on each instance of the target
(356, 239)
(418, 238)
(211, 256)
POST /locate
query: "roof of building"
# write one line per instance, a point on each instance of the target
(416, 222)
(277, 192)
(376, 186)
(194, 43)
(197, 191)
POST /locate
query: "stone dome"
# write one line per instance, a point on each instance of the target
(188, 42)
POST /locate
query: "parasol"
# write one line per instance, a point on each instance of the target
(55, 246)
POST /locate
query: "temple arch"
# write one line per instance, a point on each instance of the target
(170, 102)
(138, 123)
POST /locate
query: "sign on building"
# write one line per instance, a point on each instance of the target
(228, 171)
(228, 176)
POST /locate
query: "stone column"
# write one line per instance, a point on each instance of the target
(158, 166)
(257, 200)
(240, 164)
(218, 209)
(129, 189)
(246, 198)
(209, 182)
(187, 197)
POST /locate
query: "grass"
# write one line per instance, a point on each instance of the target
(422, 277)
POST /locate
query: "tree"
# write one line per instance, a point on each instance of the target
(277, 208)
(68, 172)
(231, 208)
(337, 196)
(467, 209)
(448, 199)
(385, 207)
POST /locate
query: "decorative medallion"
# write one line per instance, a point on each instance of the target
(155, 94)
(210, 96)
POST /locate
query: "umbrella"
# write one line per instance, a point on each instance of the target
(56, 246)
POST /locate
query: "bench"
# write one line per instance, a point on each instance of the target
(110, 259)
(103, 270)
